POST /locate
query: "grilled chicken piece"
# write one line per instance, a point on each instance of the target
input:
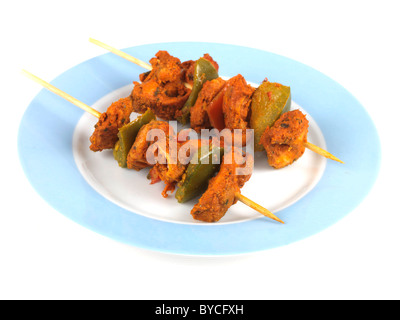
(198, 113)
(236, 103)
(220, 194)
(146, 137)
(284, 141)
(162, 89)
(106, 129)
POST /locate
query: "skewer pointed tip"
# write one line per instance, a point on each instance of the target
(257, 207)
(321, 152)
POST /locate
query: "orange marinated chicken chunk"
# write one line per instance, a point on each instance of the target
(220, 194)
(284, 141)
(106, 129)
(236, 103)
(164, 89)
(145, 138)
(198, 113)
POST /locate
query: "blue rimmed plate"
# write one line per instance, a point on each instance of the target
(53, 141)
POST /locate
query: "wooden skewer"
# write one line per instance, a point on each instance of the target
(256, 207)
(97, 114)
(321, 151)
(62, 94)
(121, 54)
(126, 56)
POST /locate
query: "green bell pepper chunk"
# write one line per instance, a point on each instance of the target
(203, 71)
(127, 135)
(198, 174)
(269, 102)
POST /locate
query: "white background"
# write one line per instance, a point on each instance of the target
(43, 255)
